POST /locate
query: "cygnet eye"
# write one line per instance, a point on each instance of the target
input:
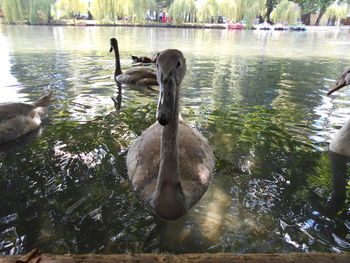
(178, 64)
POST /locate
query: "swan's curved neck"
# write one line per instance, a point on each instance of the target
(338, 166)
(169, 199)
(118, 69)
(341, 141)
(337, 201)
(169, 160)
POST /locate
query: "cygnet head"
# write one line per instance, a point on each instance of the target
(171, 68)
(343, 81)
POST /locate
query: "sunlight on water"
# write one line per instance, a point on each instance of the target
(9, 85)
(260, 99)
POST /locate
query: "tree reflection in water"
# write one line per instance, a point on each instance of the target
(68, 191)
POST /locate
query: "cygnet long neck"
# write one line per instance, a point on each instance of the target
(169, 199)
(169, 163)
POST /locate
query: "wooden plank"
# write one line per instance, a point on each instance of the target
(192, 258)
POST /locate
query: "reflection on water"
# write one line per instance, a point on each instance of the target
(260, 99)
(9, 83)
(339, 175)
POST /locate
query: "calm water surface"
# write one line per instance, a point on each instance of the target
(260, 99)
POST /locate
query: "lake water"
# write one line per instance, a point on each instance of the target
(260, 99)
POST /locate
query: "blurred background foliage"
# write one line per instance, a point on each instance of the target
(179, 11)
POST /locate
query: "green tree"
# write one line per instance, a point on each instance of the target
(117, 9)
(234, 10)
(336, 12)
(229, 9)
(15, 10)
(183, 11)
(108, 9)
(208, 10)
(270, 5)
(40, 10)
(242, 9)
(122, 8)
(70, 8)
(252, 9)
(324, 4)
(312, 6)
(163, 4)
(140, 8)
(286, 11)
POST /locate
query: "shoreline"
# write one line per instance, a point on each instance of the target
(91, 23)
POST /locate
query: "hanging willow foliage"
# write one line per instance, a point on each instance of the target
(34, 11)
(116, 9)
(234, 10)
(286, 11)
(70, 8)
(140, 8)
(111, 9)
(39, 11)
(14, 10)
(336, 11)
(104, 9)
(229, 9)
(208, 9)
(183, 11)
(251, 9)
(123, 8)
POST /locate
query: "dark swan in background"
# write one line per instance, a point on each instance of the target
(135, 76)
(170, 165)
(339, 156)
(17, 119)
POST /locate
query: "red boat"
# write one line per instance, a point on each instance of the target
(234, 26)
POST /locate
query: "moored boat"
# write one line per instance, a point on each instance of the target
(234, 26)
